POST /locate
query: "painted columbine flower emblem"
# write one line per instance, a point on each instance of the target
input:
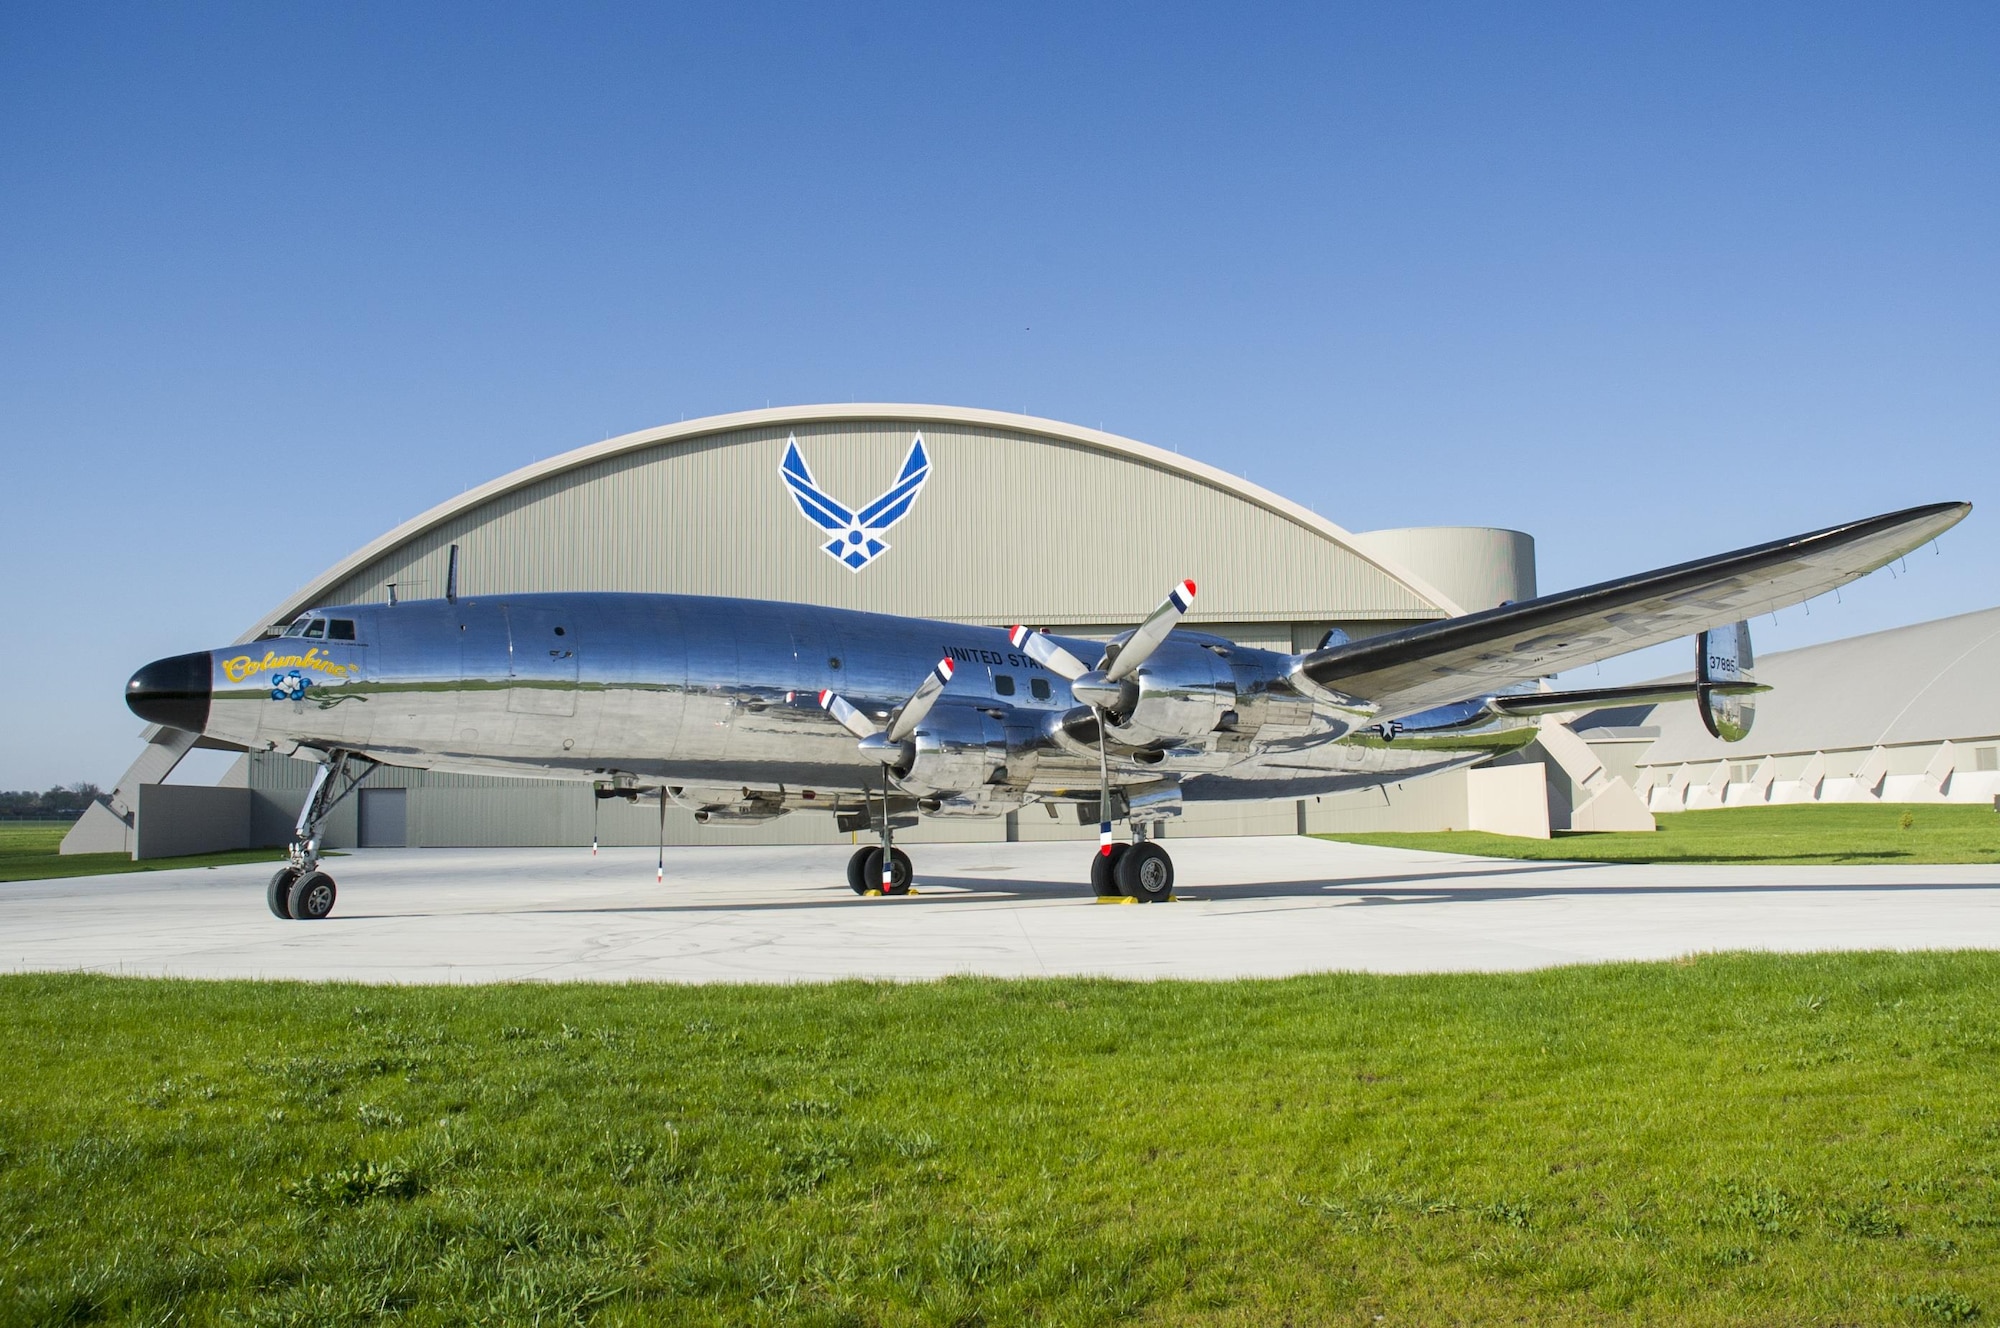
(289, 686)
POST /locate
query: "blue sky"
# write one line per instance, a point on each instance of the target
(1649, 283)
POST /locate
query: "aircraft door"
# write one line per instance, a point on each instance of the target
(482, 724)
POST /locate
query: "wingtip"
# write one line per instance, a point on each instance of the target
(1948, 514)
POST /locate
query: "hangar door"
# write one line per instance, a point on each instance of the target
(385, 819)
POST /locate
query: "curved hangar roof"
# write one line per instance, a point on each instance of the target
(1015, 518)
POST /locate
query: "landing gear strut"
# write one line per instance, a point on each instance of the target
(300, 890)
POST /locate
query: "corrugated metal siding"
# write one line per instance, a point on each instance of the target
(1010, 526)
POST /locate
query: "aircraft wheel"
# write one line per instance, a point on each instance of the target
(312, 896)
(1145, 874)
(857, 871)
(1104, 870)
(278, 894)
(900, 872)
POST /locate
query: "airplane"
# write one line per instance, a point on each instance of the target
(744, 710)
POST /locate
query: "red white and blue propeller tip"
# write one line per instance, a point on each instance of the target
(1182, 595)
(1042, 648)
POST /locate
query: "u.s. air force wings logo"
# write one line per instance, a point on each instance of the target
(857, 536)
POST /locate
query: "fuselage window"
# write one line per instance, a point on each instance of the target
(316, 629)
(1003, 683)
(340, 629)
(1040, 687)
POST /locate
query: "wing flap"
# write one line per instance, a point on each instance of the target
(1441, 662)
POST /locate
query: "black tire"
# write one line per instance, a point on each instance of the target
(900, 872)
(1145, 874)
(857, 871)
(312, 896)
(1104, 871)
(278, 894)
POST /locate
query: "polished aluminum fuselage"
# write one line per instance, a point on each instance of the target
(721, 696)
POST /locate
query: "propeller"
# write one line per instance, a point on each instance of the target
(1108, 688)
(886, 745)
(1042, 648)
(1119, 661)
(1142, 643)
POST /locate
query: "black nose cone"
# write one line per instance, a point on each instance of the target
(173, 692)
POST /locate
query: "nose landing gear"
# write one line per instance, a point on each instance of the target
(300, 891)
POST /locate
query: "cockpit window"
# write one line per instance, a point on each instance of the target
(340, 629)
(298, 627)
(316, 629)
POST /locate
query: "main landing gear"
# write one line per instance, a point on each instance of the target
(300, 890)
(1141, 872)
(865, 874)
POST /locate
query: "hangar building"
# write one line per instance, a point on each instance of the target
(1907, 715)
(1021, 520)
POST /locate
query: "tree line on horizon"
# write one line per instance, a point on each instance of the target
(58, 804)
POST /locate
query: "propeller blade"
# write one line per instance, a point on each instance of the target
(850, 718)
(1142, 643)
(1041, 648)
(920, 702)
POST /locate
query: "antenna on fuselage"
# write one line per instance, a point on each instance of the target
(451, 577)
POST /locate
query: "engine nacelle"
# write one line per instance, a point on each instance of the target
(1183, 693)
(958, 750)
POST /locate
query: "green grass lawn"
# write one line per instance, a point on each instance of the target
(1737, 1139)
(28, 853)
(1816, 833)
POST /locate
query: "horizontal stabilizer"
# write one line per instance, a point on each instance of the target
(1438, 663)
(1602, 698)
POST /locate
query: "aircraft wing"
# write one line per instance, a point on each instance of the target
(1459, 658)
